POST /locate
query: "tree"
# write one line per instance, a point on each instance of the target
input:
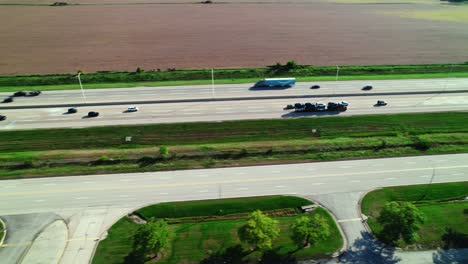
(259, 231)
(309, 230)
(400, 220)
(149, 239)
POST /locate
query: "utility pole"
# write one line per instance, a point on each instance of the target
(81, 86)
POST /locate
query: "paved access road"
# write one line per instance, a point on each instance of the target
(71, 97)
(227, 110)
(90, 204)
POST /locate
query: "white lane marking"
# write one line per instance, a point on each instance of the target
(123, 196)
(203, 191)
(345, 167)
(318, 183)
(410, 162)
(311, 169)
(81, 198)
(225, 108)
(390, 178)
(276, 171)
(125, 180)
(177, 93)
(255, 107)
(163, 193)
(242, 188)
(280, 186)
(240, 173)
(224, 112)
(424, 176)
(458, 174)
(39, 201)
(355, 181)
(191, 113)
(88, 182)
(165, 177)
(349, 220)
(49, 184)
(9, 187)
(202, 175)
(256, 111)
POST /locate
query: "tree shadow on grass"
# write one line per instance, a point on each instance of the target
(273, 256)
(232, 255)
(368, 250)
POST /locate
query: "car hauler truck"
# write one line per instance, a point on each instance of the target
(282, 82)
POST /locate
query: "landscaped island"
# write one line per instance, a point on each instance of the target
(208, 232)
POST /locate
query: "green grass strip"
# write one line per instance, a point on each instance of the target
(220, 207)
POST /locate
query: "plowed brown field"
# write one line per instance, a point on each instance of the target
(44, 39)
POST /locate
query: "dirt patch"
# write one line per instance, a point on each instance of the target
(43, 39)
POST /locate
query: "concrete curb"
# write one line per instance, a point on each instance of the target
(343, 235)
(248, 98)
(4, 227)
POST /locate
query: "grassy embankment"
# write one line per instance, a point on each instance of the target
(228, 76)
(442, 204)
(197, 240)
(51, 152)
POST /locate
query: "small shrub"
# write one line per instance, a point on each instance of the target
(164, 152)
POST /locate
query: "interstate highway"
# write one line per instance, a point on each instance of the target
(225, 110)
(238, 91)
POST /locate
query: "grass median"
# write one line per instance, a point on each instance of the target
(303, 73)
(442, 204)
(211, 241)
(219, 144)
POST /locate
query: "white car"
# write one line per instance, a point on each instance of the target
(132, 109)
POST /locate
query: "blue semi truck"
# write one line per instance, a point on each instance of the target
(281, 82)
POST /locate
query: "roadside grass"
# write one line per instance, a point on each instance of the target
(107, 79)
(220, 207)
(442, 205)
(103, 150)
(217, 241)
(209, 162)
(234, 131)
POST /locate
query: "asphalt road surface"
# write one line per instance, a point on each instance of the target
(142, 94)
(91, 204)
(227, 110)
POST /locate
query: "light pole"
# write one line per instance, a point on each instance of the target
(212, 83)
(81, 86)
(336, 79)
